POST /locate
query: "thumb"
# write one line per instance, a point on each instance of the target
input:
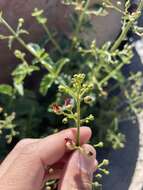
(78, 172)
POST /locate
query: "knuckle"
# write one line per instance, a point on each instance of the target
(69, 133)
(29, 149)
(22, 144)
(27, 146)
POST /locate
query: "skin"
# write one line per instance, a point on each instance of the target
(27, 165)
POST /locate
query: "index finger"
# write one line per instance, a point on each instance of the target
(52, 148)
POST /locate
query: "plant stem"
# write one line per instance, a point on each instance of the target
(81, 18)
(79, 23)
(24, 44)
(111, 74)
(125, 30)
(112, 6)
(122, 36)
(51, 38)
(78, 121)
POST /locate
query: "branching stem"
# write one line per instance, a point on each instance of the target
(127, 27)
(51, 38)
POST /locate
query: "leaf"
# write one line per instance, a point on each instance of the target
(39, 16)
(37, 12)
(6, 89)
(36, 49)
(41, 56)
(138, 30)
(119, 77)
(19, 88)
(46, 83)
(21, 72)
(60, 63)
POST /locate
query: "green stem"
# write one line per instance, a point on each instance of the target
(111, 74)
(78, 122)
(24, 44)
(125, 30)
(80, 20)
(122, 36)
(51, 38)
(110, 5)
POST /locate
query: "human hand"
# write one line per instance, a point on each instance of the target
(27, 165)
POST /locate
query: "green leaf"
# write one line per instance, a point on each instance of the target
(41, 56)
(19, 88)
(60, 63)
(36, 49)
(46, 83)
(39, 14)
(6, 89)
(21, 72)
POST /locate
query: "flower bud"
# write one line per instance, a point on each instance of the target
(99, 176)
(48, 188)
(106, 172)
(96, 184)
(69, 107)
(21, 20)
(88, 99)
(1, 109)
(105, 162)
(91, 86)
(61, 88)
(99, 145)
(65, 120)
(89, 118)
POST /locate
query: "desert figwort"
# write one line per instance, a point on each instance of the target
(116, 97)
(78, 93)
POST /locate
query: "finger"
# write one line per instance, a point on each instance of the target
(52, 148)
(14, 153)
(55, 174)
(55, 171)
(79, 170)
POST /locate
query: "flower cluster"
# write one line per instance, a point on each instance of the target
(71, 110)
